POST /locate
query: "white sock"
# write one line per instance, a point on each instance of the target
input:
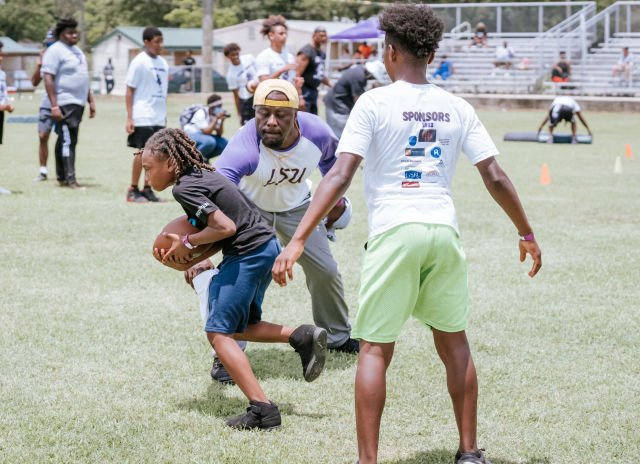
(43, 170)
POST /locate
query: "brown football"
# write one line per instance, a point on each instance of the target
(179, 226)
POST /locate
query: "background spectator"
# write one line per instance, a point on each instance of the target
(108, 76)
(45, 123)
(624, 66)
(480, 36)
(66, 79)
(146, 104)
(445, 69)
(4, 99)
(561, 71)
(207, 126)
(242, 80)
(275, 62)
(504, 56)
(188, 61)
(341, 98)
(311, 69)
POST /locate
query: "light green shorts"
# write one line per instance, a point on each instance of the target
(413, 269)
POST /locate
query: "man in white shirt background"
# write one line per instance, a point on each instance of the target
(146, 102)
(242, 80)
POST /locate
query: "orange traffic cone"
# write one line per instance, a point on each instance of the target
(545, 177)
(627, 152)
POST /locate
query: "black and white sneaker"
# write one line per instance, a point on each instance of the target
(310, 342)
(220, 374)
(262, 416)
(471, 458)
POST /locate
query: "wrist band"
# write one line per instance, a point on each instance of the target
(528, 238)
(187, 243)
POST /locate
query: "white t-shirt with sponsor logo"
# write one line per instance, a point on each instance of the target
(269, 61)
(239, 75)
(150, 79)
(411, 137)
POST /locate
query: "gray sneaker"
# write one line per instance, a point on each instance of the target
(471, 458)
(310, 342)
(220, 374)
(41, 177)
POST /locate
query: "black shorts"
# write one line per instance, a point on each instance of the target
(247, 111)
(562, 113)
(1, 125)
(141, 134)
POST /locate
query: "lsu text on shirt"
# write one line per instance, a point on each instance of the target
(150, 79)
(410, 137)
(274, 180)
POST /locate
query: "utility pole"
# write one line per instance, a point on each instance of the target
(206, 85)
(81, 26)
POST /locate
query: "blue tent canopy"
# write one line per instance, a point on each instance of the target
(364, 30)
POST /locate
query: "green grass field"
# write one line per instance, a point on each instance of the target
(102, 356)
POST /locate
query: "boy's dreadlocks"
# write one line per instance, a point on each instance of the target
(175, 145)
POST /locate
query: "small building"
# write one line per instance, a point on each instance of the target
(123, 43)
(19, 61)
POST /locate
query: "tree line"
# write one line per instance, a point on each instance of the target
(30, 19)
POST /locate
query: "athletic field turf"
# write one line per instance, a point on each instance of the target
(102, 356)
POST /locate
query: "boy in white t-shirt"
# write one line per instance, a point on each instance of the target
(410, 134)
(242, 80)
(276, 62)
(146, 100)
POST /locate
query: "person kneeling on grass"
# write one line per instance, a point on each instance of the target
(226, 217)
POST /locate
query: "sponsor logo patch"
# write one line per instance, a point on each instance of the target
(410, 184)
(436, 152)
(414, 151)
(413, 140)
(427, 135)
(413, 175)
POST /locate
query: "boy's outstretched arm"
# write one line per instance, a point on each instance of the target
(504, 193)
(332, 187)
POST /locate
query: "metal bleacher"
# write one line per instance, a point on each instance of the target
(593, 42)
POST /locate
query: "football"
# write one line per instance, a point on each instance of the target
(179, 226)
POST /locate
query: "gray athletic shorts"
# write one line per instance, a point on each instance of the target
(45, 123)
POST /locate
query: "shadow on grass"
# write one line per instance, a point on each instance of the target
(446, 457)
(270, 363)
(217, 404)
(275, 363)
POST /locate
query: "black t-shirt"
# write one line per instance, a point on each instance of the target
(201, 194)
(314, 73)
(340, 97)
(189, 61)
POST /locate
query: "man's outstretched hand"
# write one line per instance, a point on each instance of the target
(283, 266)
